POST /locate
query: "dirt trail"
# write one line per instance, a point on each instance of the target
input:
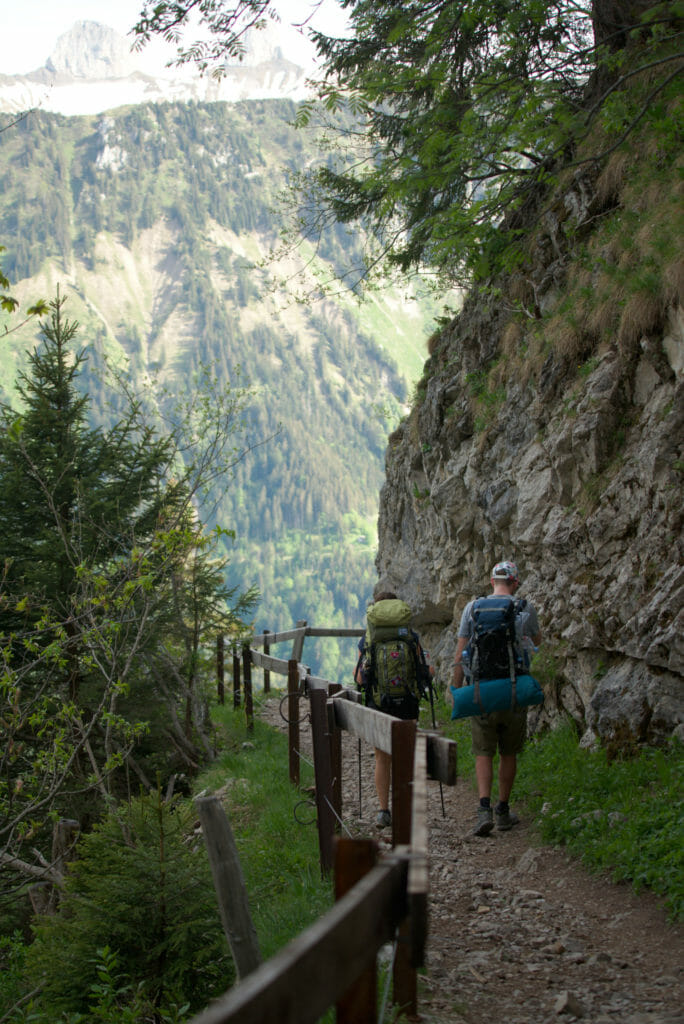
(520, 933)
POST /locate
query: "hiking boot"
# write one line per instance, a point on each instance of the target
(485, 821)
(383, 819)
(506, 819)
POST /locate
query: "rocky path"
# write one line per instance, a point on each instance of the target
(519, 933)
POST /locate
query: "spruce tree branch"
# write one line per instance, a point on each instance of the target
(591, 113)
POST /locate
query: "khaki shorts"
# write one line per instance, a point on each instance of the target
(504, 731)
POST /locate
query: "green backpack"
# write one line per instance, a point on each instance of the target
(392, 664)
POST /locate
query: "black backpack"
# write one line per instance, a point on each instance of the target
(495, 652)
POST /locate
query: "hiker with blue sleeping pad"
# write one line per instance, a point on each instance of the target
(393, 674)
(491, 685)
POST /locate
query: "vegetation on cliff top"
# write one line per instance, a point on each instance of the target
(463, 114)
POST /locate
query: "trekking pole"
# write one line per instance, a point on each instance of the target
(434, 726)
(360, 814)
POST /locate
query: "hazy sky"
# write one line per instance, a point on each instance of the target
(30, 32)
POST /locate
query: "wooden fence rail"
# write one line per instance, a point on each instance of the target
(316, 969)
(334, 961)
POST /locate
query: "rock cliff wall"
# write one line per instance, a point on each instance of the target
(548, 429)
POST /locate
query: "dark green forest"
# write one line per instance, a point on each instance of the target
(81, 197)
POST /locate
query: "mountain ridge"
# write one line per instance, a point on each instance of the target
(92, 69)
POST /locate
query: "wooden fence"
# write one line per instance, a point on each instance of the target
(379, 899)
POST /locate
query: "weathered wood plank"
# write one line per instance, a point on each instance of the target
(247, 673)
(354, 858)
(403, 757)
(291, 634)
(316, 683)
(418, 879)
(404, 983)
(418, 868)
(298, 642)
(370, 725)
(313, 631)
(325, 818)
(376, 728)
(346, 693)
(335, 736)
(267, 651)
(442, 759)
(229, 884)
(267, 661)
(293, 721)
(300, 982)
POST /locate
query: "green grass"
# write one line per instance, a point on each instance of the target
(277, 842)
(621, 817)
(279, 856)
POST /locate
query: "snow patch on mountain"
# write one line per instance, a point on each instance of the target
(92, 69)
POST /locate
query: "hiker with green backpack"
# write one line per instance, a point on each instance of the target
(393, 674)
(495, 637)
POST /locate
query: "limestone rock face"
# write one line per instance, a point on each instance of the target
(90, 50)
(576, 476)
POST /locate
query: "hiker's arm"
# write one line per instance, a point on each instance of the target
(458, 665)
(358, 672)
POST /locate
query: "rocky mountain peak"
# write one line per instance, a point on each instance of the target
(92, 70)
(92, 51)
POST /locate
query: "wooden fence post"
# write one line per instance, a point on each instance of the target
(247, 673)
(298, 645)
(230, 885)
(267, 673)
(404, 979)
(236, 678)
(293, 719)
(323, 769)
(335, 758)
(354, 858)
(403, 748)
(220, 680)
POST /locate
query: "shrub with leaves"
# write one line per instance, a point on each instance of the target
(141, 889)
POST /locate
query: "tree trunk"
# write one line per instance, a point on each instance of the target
(612, 20)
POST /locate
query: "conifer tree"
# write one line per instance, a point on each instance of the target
(106, 572)
(465, 113)
(460, 113)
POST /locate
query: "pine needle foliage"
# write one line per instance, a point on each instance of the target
(141, 889)
(467, 113)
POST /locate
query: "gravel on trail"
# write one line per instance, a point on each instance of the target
(520, 933)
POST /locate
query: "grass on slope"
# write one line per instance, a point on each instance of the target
(278, 853)
(622, 817)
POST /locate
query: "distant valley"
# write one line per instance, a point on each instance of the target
(157, 221)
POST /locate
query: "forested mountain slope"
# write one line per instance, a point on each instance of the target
(154, 221)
